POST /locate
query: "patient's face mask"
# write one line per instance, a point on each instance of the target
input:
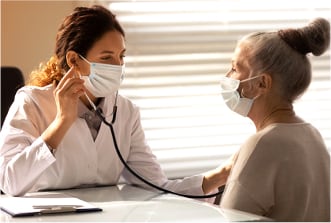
(232, 98)
(104, 79)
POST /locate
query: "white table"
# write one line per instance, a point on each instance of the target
(125, 203)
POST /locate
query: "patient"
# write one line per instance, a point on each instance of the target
(283, 170)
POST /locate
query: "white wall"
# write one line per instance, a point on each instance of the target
(28, 31)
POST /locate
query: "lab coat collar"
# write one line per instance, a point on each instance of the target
(107, 110)
(83, 109)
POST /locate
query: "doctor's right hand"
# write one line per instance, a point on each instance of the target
(66, 95)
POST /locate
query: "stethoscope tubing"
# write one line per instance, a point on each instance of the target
(110, 125)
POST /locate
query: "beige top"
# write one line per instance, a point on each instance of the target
(282, 172)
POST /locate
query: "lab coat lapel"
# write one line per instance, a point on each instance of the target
(82, 127)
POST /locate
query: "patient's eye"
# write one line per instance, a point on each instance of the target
(233, 69)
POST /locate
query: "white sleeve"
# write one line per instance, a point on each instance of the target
(144, 162)
(23, 154)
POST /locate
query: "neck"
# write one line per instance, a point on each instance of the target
(277, 115)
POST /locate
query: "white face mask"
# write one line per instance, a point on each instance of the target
(104, 79)
(240, 105)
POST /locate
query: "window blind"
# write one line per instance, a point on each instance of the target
(176, 53)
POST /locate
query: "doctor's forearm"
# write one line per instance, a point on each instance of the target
(55, 132)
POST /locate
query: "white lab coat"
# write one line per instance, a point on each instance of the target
(27, 165)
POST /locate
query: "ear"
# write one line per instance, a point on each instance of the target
(72, 58)
(265, 82)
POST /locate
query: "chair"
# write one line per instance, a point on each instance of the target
(11, 80)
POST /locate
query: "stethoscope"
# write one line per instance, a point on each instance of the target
(99, 113)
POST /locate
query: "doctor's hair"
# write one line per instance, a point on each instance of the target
(284, 55)
(78, 32)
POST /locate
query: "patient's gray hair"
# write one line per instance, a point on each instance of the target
(283, 55)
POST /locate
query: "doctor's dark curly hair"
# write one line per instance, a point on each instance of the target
(78, 32)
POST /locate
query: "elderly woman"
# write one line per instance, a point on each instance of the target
(283, 170)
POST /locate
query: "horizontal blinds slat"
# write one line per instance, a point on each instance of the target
(143, 6)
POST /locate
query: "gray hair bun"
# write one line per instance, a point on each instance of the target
(313, 38)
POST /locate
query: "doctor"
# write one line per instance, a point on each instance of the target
(52, 139)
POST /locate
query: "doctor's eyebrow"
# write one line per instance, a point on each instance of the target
(111, 52)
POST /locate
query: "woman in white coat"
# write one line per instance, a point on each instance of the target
(52, 139)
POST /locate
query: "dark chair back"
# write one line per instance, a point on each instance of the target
(11, 80)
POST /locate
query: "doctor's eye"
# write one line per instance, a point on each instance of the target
(122, 57)
(106, 58)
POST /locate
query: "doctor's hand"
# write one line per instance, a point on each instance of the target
(218, 177)
(66, 95)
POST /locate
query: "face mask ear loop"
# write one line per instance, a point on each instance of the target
(84, 59)
(242, 90)
(243, 96)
